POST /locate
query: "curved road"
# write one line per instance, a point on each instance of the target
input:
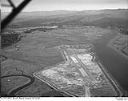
(13, 92)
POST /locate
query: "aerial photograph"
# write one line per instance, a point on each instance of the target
(64, 48)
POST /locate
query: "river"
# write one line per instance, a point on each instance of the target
(116, 64)
(13, 92)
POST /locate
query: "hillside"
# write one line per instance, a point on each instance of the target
(102, 18)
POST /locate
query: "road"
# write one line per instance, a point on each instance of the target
(80, 69)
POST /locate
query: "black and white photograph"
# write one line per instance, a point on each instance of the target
(64, 48)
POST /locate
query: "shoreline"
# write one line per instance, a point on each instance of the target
(15, 90)
(111, 45)
(111, 79)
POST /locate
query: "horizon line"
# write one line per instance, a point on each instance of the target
(69, 10)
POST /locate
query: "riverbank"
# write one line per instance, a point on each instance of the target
(13, 91)
(120, 44)
(114, 63)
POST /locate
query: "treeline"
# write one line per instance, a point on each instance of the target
(124, 31)
(9, 39)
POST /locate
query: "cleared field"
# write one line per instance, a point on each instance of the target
(77, 75)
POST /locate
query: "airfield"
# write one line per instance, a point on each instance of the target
(80, 74)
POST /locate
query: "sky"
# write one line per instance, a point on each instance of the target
(49, 5)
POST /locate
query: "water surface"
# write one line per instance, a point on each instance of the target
(116, 64)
